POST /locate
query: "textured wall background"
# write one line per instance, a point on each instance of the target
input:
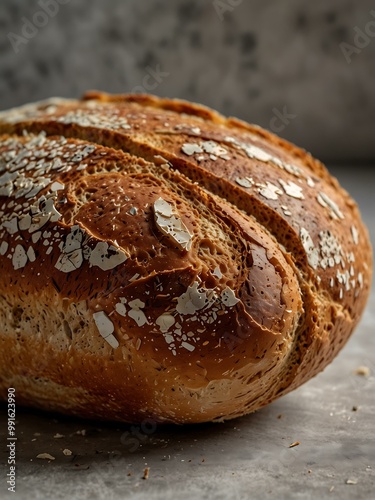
(254, 59)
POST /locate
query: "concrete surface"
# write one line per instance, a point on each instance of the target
(332, 417)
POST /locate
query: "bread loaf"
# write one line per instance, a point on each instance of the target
(161, 261)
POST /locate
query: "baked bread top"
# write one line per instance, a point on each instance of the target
(164, 260)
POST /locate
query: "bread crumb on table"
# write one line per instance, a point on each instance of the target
(295, 443)
(146, 472)
(363, 371)
(351, 481)
(45, 456)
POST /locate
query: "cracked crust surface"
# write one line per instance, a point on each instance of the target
(159, 260)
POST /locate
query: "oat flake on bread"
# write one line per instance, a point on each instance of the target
(161, 261)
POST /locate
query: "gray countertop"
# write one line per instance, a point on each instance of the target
(332, 418)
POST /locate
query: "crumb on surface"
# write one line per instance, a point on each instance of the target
(362, 371)
(295, 443)
(45, 456)
(146, 473)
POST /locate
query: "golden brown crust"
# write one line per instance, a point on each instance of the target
(162, 260)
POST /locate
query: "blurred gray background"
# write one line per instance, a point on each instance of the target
(303, 69)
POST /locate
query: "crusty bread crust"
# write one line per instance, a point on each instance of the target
(159, 260)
